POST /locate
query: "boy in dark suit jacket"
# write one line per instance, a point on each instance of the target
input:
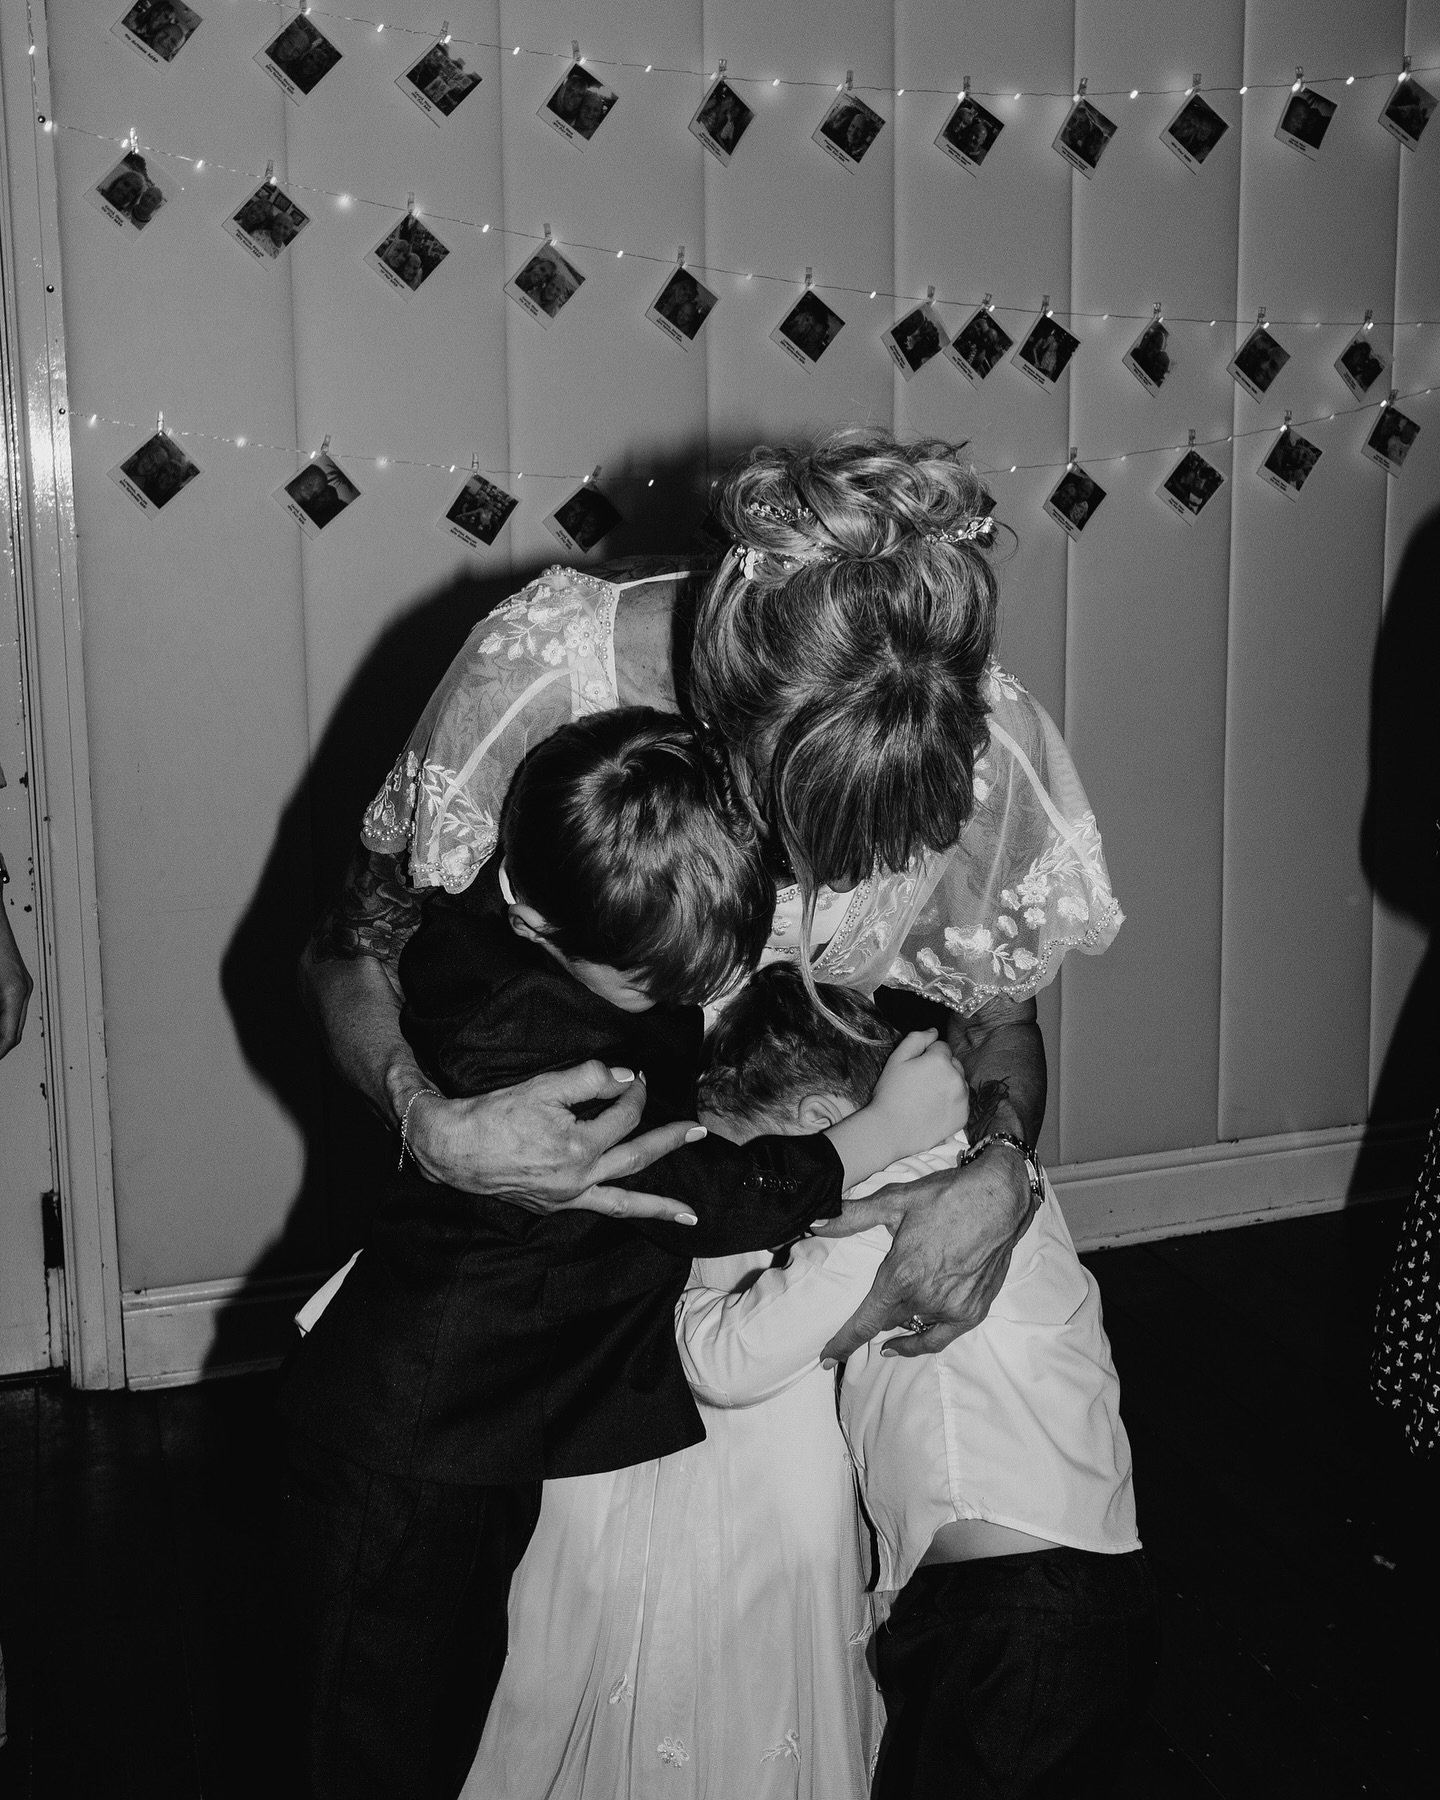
(475, 1349)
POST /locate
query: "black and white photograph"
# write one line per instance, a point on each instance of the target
(914, 340)
(318, 495)
(155, 473)
(578, 105)
(980, 346)
(1407, 111)
(544, 284)
(158, 29)
(1081, 140)
(721, 120)
(1288, 462)
(268, 222)
(408, 256)
(848, 129)
(130, 194)
(808, 330)
(1391, 440)
(1194, 131)
(1190, 486)
(438, 82)
(1305, 121)
(585, 518)
(1361, 364)
(477, 514)
(1148, 359)
(1045, 353)
(1074, 501)
(1258, 361)
(298, 58)
(681, 307)
(968, 135)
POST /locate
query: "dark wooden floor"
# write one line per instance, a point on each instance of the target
(1294, 1543)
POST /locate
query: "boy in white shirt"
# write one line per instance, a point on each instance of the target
(996, 1474)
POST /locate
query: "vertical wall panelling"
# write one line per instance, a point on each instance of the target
(1294, 1049)
(1145, 655)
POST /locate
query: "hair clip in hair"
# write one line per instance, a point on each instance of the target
(795, 516)
(973, 531)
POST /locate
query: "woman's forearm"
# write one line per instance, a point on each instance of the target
(1003, 1055)
(356, 1004)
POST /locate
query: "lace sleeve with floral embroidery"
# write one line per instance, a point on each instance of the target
(535, 663)
(1028, 881)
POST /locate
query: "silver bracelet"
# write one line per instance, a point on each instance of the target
(1033, 1169)
(405, 1121)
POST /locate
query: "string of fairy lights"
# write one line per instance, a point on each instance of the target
(450, 42)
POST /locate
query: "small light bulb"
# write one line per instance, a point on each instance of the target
(1017, 96)
(94, 418)
(1245, 88)
(650, 482)
(515, 51)
(899, 93)
(1134, 93)
(382, 462)
(200, 165)
(874, 292)
(241, 442)
(775, 82)
(618, 255)
(1014, 467)
(342, 199)
(1349, 81)
(1295, 87)
(379, 29)
(649, 67)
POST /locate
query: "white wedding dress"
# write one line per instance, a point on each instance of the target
(696, 1627)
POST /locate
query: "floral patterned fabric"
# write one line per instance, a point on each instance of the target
(992, 918)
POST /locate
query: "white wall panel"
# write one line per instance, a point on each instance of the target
(247, 686)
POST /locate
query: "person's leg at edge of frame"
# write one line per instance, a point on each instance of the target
(1015, 1678)
(400, 1591)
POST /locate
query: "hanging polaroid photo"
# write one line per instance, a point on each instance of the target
(1257, 362)
(128, 195)
(268, 222)
(848, 129)
(578, 105)
(968, 135)
(585, 518)
(438, 82)
(915, 340)
(155, 473)
(1360, 364)
(979, 347)
(808, 330)
(158, 29)
(1288, 462)
(1073, 503)
(1407, 111)
(1194, 131)
(1305, 121)
(1148, 358)
(1081, 140)
(1046, 352)
(1190, 486)
(318, 495)
(721, 120)
(478, 512)
(1389, 443)
(298, 59)
(408, 256)
(543, 284)
(681, 307)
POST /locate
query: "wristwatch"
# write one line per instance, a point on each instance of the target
(1032, 1161)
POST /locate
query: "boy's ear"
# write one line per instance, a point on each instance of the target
(526, 922)
(818, 1112)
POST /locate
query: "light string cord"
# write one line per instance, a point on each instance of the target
(459, 466)
(401, 209)
(444, 34)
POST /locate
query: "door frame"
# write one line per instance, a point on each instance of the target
(35, 424)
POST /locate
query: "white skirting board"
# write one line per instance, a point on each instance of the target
(181, 1334)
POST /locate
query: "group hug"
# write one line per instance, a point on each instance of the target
(718, 1406)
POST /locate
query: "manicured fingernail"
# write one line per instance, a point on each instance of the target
(827, 1362)
(686, 1219)
(622, 1074)
(694, 1134)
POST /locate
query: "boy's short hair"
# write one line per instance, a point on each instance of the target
(624, 830)
(772, 1046)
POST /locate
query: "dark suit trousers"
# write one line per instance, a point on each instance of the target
(1014, 1677)
(400, 1590)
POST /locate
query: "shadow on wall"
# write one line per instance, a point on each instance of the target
(1399, 842)
(346, 1148)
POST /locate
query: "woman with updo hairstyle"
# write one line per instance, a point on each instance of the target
(924, 822)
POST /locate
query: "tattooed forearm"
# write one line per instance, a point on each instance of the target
(375, 915)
